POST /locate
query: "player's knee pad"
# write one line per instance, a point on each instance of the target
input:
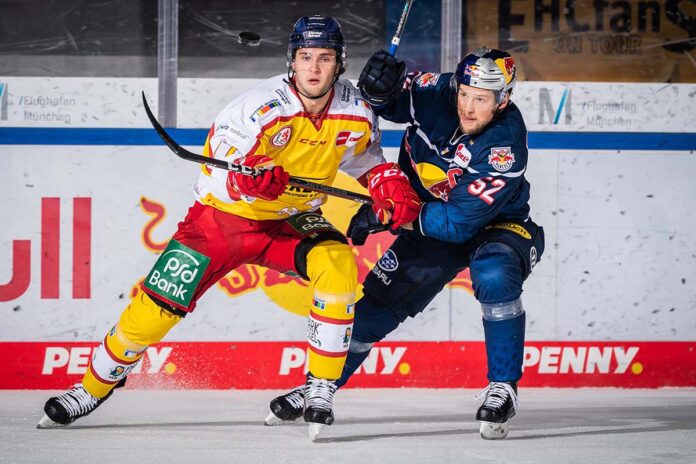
(496, 273)
(142, 323)
(502, 311)
(331, 268)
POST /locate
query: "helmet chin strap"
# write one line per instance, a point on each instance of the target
(291, 83)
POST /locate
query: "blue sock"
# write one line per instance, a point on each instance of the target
(505, 348)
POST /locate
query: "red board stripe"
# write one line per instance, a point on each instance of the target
(277, 365)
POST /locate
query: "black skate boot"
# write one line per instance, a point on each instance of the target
(287, 408)
(318, 411)
(498, 407)
(67, 408)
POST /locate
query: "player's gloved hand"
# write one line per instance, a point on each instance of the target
(364, 223)
(392, 195)
(268, 184)
(382, 78)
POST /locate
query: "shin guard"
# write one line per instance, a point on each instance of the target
(505, 348)
(142, 323)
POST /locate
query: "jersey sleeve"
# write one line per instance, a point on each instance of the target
(367, 152)
(238, 127)
(419, 90)
(479, 197)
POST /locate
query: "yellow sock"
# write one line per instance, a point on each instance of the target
(333, 274)
(142, 323)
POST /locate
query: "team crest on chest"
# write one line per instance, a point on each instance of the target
(501, 158)
(282, 137)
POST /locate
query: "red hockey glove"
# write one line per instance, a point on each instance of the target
(392, 195)
(269, 184)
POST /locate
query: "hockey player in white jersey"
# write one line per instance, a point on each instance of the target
(307, 124)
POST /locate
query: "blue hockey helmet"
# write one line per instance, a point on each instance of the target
(318, 32)
(488, 69)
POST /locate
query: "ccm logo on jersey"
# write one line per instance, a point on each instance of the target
(579, 359)
(312, 142)
(501, 158)
(348, 138)
(76, 359)
(282, 137)
(383, 360)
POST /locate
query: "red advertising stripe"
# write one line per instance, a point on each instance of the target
(50, 247)
(277, 365)
(82, 247)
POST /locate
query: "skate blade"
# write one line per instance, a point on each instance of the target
(47, 423)
(272, 419)
(314, 430)
(494, 430)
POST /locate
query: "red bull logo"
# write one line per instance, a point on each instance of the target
(291, 293)
(501, 158)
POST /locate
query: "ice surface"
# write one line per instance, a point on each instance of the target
(372, 426)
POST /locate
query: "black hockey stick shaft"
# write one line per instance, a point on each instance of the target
(181, 152)
(400, 27)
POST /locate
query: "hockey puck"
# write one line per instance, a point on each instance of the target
(250, 39)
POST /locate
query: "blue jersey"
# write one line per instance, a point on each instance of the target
(465, 182)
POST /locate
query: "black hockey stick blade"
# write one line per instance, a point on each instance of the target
(183, 153)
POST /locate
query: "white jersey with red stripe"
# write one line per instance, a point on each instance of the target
(269, 119)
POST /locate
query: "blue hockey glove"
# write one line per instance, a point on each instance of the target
(364, 223)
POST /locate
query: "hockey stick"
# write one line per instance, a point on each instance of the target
(400, 27)
(181, 152)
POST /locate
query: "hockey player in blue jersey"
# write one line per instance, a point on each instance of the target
(465, 153)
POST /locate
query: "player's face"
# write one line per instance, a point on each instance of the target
(476, 108)
(315, 69)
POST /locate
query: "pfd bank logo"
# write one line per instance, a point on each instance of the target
(551, 109)
(3, 101)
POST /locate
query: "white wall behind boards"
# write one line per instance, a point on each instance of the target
(620, 260)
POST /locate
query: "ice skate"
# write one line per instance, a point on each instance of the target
(499, 406)
(287, 408)
(67, 408)
(318, 411)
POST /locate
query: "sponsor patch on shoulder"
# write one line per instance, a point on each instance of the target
(462, 157)
(427, 79)
(501, 158)
(263, 109)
